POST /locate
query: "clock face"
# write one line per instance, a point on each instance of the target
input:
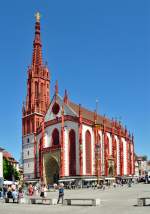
(55, 108)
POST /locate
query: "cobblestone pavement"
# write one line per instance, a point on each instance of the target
(120, 200)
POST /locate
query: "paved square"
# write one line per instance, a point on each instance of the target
(120, 200)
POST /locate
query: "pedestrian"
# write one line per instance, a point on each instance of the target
(30, 190)
(15, 195)
(43, 191)
(13, 186)
(1, 193)
(129, 183)
(20, 195)
(61, 193)
(5, 188)
(55, 187)
(103, 186)
(114, 184)
(36, 190)
(9, 192)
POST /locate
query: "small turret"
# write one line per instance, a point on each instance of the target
(66, 97)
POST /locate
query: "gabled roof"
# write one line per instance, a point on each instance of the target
(87, 114)
(9, 157)
(7, 154)
(71, 108)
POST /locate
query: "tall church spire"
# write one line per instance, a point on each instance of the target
(38, 86)
(37, 45)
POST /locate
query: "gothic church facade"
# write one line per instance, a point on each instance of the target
(63, 140)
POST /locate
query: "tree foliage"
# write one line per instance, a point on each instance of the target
(9, 172)
(16, 174)
(7, 169)
(144, 158)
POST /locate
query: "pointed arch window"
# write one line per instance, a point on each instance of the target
(42, 90)
(55, 137)
(106, 153)
(88, 153)
(28, 126)
(115, 149)
(107, 146)
(98, 146)
(36, 90)
(72, 153)
(98, 155)
(99, 139)
(115, 156)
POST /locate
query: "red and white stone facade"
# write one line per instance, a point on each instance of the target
(61, 138)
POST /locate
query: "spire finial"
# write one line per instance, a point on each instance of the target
(56, 87)
(66, 97)
(97, 105)
(37, 16)
(37, 45)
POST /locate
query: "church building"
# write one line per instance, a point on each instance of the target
(62, 140)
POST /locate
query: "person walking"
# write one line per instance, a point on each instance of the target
(36, 191)
(43, 191)
(20, 195)
(61, 193)
(30, 190)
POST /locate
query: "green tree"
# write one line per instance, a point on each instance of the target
(7, 170)
(16, 174)
(144, 158)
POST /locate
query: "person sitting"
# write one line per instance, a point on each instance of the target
(9, 194)
(15, 196)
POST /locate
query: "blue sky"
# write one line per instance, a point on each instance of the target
(95, 49)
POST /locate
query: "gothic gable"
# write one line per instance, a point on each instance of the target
(55, 109)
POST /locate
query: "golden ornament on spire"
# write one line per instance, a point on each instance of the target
(38, 16)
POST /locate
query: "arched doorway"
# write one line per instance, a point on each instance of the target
(88, 153)
(72, 153)
(51, 170)
(111, 171)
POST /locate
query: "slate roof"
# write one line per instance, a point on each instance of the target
(87, 114)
